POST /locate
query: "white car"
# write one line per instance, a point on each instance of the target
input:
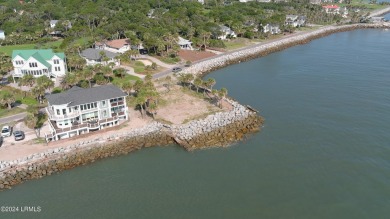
(6, 131)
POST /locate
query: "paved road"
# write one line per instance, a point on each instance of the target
(169, 71)
(13, 118)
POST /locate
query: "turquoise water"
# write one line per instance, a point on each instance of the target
(324, 151)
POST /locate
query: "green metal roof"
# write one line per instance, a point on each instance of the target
(45, 54)
(40, 59)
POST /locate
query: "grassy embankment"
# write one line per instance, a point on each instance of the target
(21, 97)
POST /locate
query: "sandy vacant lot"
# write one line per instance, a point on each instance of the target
(194, 55)
(145, 61)
(181, 105)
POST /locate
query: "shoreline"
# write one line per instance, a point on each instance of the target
(203, 67)
(219, 129)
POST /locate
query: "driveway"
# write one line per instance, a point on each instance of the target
(130, 71)
(12, 118)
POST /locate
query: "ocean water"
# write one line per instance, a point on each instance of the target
(324, 151)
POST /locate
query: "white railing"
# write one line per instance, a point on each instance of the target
(53, 116)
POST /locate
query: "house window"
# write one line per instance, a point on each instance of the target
(104, 113)
(103, 103)
(82, 107)
(57, 68)
(95, 105)
(56, 61)
(64, 111)
(58, 112)
(33, 64)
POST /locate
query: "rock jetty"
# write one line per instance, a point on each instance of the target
(219, 129)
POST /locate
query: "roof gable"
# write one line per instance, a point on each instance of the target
(40, 59)
(77, 95)
(46, 54)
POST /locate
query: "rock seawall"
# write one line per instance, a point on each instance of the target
(216, 130)
(209, 65)
(219, 129)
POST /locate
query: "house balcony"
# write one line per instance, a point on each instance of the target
(119, 103)
(108, 120)
(74, 127)
(53, 116)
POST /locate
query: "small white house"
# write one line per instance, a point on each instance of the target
(38, 63)
(95, 56)
(115, 46)
(2, 35)
(295, 20)
(226, 32)
(53, 23)
(271, 28)
(331, 9)
(185, 44)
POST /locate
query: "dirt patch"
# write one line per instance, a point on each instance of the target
(145, 62)
(192, 56)
(181, 105)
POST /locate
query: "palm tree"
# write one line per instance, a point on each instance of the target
(68, 81)
(127, 86)
(8, 99)
(107, 72)
(31, 121)
(222, 94)
(27, 80)
(189, 78)
(88, 74)
(210, 83)
(168, 85)
(138, 85)
(205, 36)
(121, 72)
(140, 101)
(198, 82)
(45, 82)
(38, 92)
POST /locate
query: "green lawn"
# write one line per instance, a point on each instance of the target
(8, 49)
(139, 67)
(118, 81)
(20, 99)
(236, 43)
(168, 60)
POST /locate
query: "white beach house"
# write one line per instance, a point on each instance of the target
(38, 63)
(80, 110)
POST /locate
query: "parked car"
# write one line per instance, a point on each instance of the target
(143, 51)
(6, 131)
(19, 135)
(176, 69)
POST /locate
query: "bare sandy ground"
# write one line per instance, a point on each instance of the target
(145, 61)
(180, 105)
